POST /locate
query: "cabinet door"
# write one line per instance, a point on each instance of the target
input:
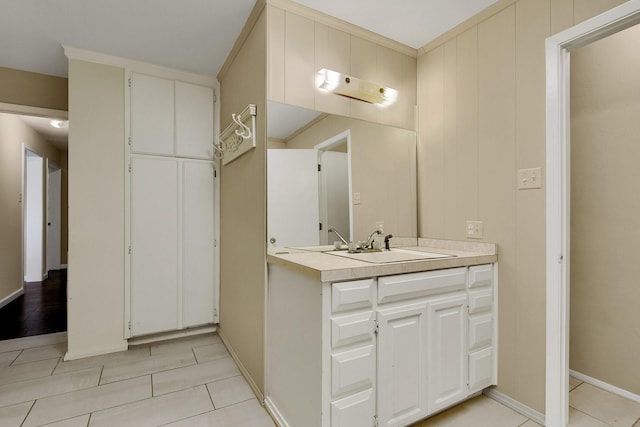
(194, 121)
(356, 410)
(402, 364)
(152, 112)
(197, 238)
(154, 245)
(299, 61)
(447, 351)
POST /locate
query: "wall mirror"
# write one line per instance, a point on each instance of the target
(332, 172)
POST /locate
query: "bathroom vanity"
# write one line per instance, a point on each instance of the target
(354, 343)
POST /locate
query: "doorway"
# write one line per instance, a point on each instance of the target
(33, 213)
(54, 215)
(558, 50)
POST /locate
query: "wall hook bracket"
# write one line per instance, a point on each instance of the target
(240, 136)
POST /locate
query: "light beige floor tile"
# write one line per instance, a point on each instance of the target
(186, 343)
(573, 383)
(190, 376)
(27, 371)
(155, 411)
(81, 421)
(48, 386)
(230, 391)
(13, 415)
(41, 353)
(34, 341)
(604, 406)
(580, 419)
(126, 357)
(244, 414)
(8, 357)
(115, 371)
(211, 352)
(69, 405)
(530, 423)
(480, 411)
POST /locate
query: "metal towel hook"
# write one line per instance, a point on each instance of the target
(246, 132)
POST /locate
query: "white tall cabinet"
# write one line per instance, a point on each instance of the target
(170, 206)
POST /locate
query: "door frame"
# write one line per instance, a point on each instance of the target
(56, 194)
(558, 161)
(327, 145)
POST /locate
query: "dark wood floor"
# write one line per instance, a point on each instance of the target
(41, 310)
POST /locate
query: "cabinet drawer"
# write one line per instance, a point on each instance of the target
(352, 370)
(352, 328)
(480, 331)
(480, 369)
(480, 300)
(356, 410)
(480, 275)
(352, 295)
(413, 285)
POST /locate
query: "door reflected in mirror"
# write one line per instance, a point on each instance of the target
(332, 172)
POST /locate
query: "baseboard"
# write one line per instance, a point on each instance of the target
(605, 386)
(106, 350)
(164, 336)
(243, 370)
(275, 413)
(515, 405)
(12, 296)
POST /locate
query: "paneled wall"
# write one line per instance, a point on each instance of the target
(481, 98)
(605, 106)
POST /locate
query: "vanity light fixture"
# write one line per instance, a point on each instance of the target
(351, 87)
(59, 124)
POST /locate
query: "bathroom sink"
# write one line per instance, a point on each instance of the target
(394, 255)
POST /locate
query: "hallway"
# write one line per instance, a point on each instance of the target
(41, 310)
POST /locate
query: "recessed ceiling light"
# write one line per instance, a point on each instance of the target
(59, 124)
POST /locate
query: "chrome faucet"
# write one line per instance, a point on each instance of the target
(333, 230)
(369, 242)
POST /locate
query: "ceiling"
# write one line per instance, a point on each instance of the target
(193, 35)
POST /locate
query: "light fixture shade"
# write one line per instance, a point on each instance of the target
(59, 124)
(352, 87)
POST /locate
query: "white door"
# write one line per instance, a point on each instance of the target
(194, 120)
(154, 245)
(334, 200)
(33, 217)
(54, 187)
(447, 351)
(402, 365)
(152, 115)
(198, 243)
(292, 202)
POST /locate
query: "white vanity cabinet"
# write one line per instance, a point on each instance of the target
(384, 351)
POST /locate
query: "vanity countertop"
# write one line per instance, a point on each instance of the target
(330, 268)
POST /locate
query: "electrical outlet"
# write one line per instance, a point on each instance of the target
(380, 226)
(356, 198)
(475, 230)
(529, 178)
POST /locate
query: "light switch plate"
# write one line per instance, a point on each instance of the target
(475, 230)
(529, 178)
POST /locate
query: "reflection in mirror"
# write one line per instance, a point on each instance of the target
(367, 175)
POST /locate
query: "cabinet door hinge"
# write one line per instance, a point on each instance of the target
(215, 173)
(215, 312)
(376, 327)
(130, 168)
(375, 421)
(320, 226)
(129, 325)
(129, 81)
(129, 141)
(129, 250)
(319, 168)
(215, 97)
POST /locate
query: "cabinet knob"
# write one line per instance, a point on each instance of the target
(272, 240)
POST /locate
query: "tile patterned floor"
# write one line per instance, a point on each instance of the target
(194, 382)
(184, 382)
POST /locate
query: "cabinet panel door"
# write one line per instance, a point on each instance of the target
(152, 111)
(356, 410)
(197, 238)
(480, 369)
(447, 351)
(194, 120)
(154, 244)
(480, 331)
(352, 370)
(402, 364)
(299, 61)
